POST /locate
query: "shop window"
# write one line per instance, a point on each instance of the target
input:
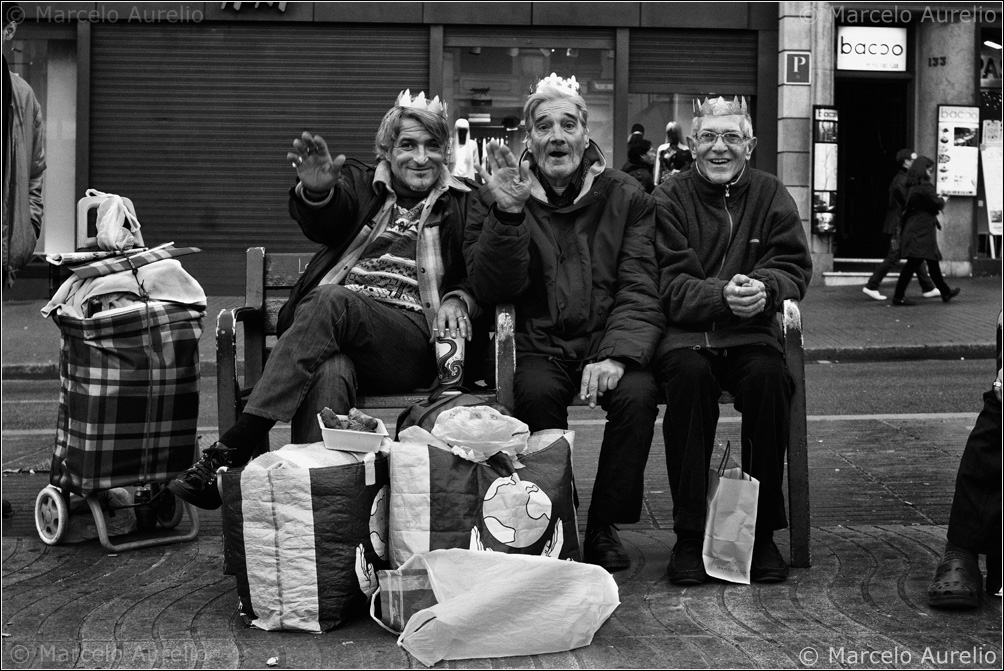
(488, 86)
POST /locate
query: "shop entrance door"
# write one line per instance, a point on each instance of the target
(874, 125)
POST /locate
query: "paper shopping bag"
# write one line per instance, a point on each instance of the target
(730, 524)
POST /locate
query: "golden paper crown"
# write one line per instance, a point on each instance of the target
(721, 107)
(421, 102)
(569, 86)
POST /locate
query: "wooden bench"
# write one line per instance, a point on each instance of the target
(269, 277)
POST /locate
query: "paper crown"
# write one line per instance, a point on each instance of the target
(569, 86)
(721, 107)
(420, 102)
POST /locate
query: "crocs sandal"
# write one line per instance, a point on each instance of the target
(957, 584)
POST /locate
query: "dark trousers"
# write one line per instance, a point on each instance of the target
(693, 380)
(341, 341)
(911, 267)
(975, 520)
(544, 388)
(890, 261)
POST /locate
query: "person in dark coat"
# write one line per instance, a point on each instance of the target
(731, 250)
(389, 275)
(974, 524)
(890, 227)
(570, 242)
(919, 234)
(641, 159)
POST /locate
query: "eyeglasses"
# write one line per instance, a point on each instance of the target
(733, 139)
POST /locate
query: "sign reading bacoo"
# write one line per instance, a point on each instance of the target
(871, 48)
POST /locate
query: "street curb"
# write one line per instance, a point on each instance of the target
(987, 350)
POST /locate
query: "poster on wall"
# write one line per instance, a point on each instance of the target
(992, 154)
(957, 161)
(824, 169)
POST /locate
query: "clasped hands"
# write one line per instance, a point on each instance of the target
(745, 296)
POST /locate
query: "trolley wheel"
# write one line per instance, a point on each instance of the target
(169, 509)
(52, 515)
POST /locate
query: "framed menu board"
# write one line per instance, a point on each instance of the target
(824, 169)
(957, 161)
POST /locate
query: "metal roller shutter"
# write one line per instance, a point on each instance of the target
(193, 122)
(693, 61)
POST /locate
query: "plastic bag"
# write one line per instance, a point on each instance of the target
(730, 524)
(482, 430)
(118, 227)
(497, 605)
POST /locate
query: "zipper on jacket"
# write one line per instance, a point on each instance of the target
(731, 226)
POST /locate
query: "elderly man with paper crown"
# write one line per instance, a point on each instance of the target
(570, 241)
(362, 315)
(731, 249)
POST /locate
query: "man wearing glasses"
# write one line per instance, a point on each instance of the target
(731, 249)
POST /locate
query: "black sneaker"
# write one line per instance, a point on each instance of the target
(768, 565)
(902, 301)
(952, 293)
(197, 485)
(603, 547)
(686, 564)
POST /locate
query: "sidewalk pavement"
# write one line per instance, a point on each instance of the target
(839, 323)
(881, 490)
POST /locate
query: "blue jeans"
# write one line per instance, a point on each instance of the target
(341, 342)
(544, 388)
(693, 380)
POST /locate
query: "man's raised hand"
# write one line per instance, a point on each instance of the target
(314, 166)
(507, 178)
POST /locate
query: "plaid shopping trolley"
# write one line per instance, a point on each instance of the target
(129, 397)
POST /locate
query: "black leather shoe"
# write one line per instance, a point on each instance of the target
(768, 565)
(197, 485)
(686, 564)
(951, 294)
(902, 301)
(603, 547)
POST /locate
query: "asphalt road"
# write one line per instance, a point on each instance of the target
(872, 388)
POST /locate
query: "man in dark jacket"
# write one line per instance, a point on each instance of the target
(891, 227)
(391, 274)
(23, 160)
(570, 242)
(731, 249)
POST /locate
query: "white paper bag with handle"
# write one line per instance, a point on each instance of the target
(730, 524)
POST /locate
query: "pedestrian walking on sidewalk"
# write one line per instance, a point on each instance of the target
(918, 234)
(897, 199)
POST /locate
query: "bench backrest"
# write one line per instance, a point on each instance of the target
(269, 280)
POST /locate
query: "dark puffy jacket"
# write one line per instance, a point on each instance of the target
(642, 173)
(707, 233)
(919, 237)
(356, 201)
(583, 277)
(894, 208)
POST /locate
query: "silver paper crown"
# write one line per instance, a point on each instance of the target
(569, 86)
(721, 107)
(421, 102)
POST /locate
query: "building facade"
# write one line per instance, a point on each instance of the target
(188, 108)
